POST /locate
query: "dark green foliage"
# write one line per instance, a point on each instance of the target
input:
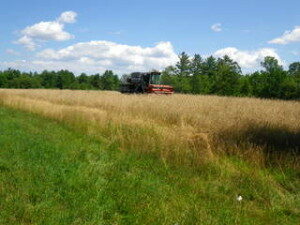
(226, 77)
(271, 64)
(24, 82)
(49, 79)
(200, 83)
(290, 88)
(95, 81)
(62, 79)
(109, 81)
(223, 76)
(210, 66)
(245, 87)
(184, 65)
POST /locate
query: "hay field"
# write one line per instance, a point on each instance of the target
(183, 129)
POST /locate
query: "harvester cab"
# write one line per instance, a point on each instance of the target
(144, 83)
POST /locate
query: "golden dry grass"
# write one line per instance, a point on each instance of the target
(185, 129)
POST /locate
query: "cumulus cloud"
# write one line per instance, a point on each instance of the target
(27, 42)
(248, 59)
(97, 56)
(288, 37)
(46, 31)
(67, 17)
(217, 27)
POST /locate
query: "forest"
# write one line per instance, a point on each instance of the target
(191, 74)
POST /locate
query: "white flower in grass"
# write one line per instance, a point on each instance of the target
(239, 198)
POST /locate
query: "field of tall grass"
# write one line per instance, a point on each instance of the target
(94, 157)
(182, 129)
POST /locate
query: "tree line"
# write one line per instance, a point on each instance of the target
(62, 79)
(223, 76)
(195, 75)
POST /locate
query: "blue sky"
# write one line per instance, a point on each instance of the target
(91, 36)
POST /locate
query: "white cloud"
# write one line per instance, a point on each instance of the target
(46, 31)
(97, 56)
(217, 27)
(68, 17)
(288, 37)
(27, 42)
(248, 59)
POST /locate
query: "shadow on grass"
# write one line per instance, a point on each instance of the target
(274, 139)
(276, 143)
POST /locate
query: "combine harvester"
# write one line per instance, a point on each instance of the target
(139, 83)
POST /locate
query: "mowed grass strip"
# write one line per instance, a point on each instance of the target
(51, 174)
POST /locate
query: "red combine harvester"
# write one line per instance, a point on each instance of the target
(144, 83)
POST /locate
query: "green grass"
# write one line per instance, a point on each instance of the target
(53, 174)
